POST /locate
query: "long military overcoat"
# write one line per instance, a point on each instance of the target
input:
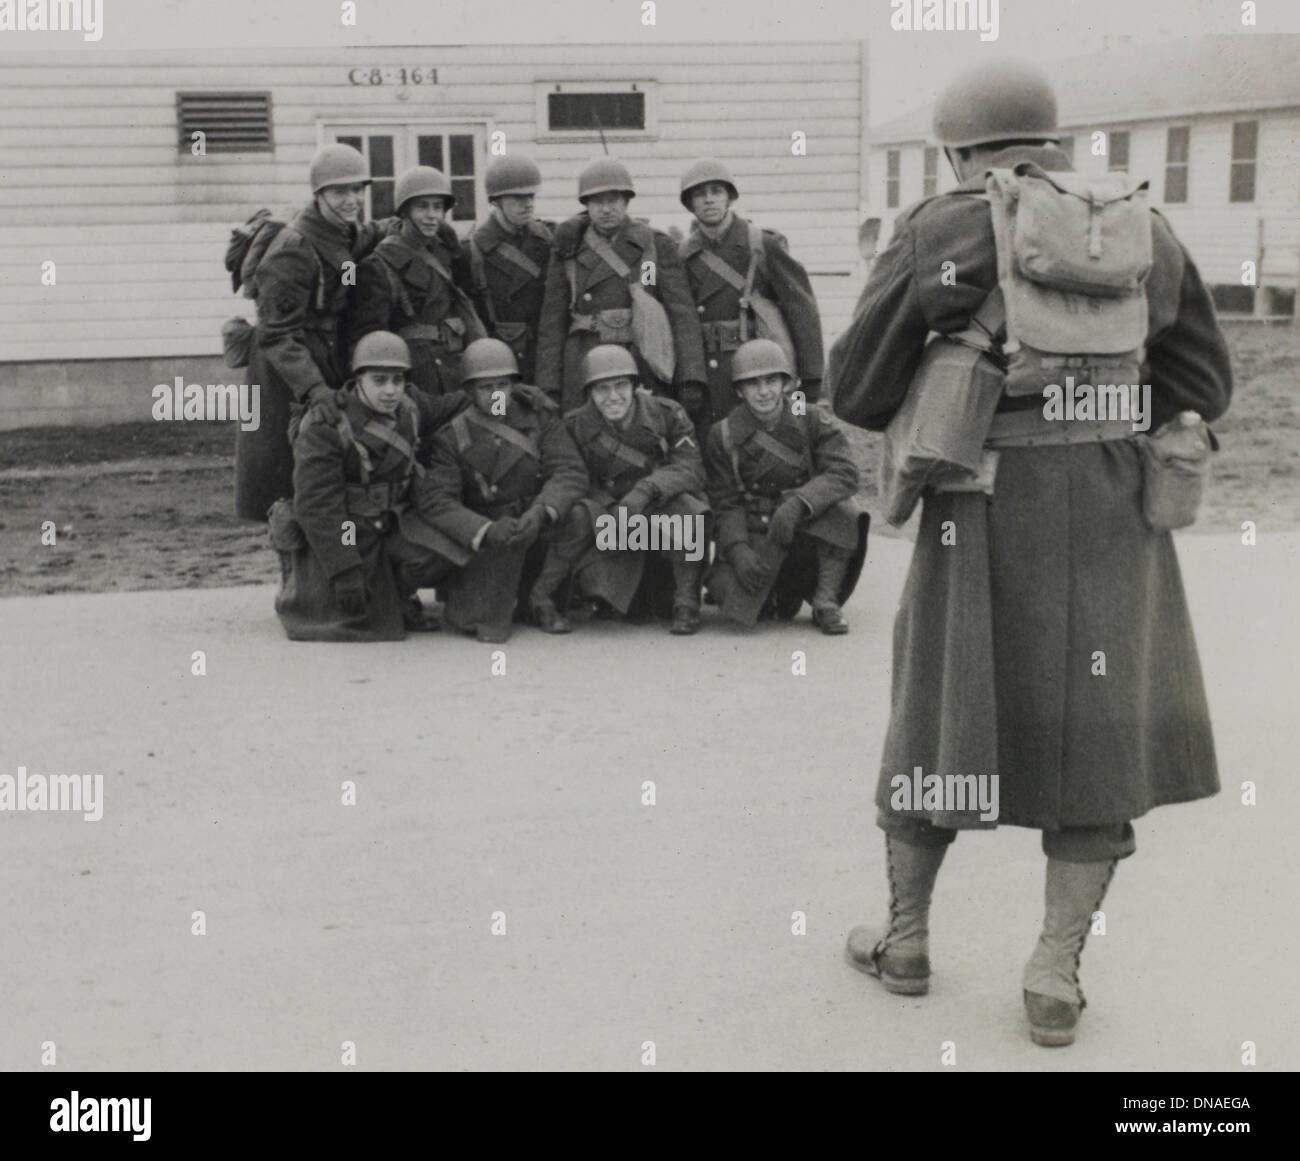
(513, 266)
(1002, 633)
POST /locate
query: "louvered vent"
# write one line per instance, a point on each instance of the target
(231, 122)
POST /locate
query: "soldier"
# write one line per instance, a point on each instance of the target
(781, 482)
(297, 353)
(642, 458)
(502, 473)
(508, 257)
(745, 285)
(412, 284)
(350, 569)
(1012, 595)
(613, 279)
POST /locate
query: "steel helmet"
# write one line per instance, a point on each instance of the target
(422, 182)
(605, 175)
(338, 164)
(997, 101)
(381, 349)
(512, 175)
(487, 359)
(759, 357)
(705, 170)
(608, 361)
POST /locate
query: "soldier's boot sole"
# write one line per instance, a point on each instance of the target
(904, 975)
(1052, 1022)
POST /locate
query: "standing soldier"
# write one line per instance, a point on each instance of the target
(502, 473)
(782, 482)
(642, 457)
(745, 286)
(508, 256)
(410, 284)
(297, 355)
(613, 279)
(1014, 596)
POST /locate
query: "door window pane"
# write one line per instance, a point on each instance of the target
(462, 155)
(1118, 149)
(466, 206)
(430, 150)
(1241, 184)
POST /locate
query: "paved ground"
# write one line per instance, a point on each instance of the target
(625, 923)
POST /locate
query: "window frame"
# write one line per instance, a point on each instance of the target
(1127, 135)
(1185, 165)
(1244, 164)
(929, 175)
(543, 89)
(893, 181)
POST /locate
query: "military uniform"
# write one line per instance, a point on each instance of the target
(297, 345)
(484, 468)
(508, 271)
(409, 286)
(996, 633)
(359, 471)
(656, 451)
(751, 471)
(716, 271)
(595, 307)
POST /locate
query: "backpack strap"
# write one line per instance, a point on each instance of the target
(478, 272)
(729, 446)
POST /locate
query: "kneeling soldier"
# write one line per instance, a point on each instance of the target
(782, 482)
(641, 457)
(502, 473)
(350, 568)
(412, 284)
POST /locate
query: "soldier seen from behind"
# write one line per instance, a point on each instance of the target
(508, 256)
(502, 474)
(782, 483)
(414, 282)
(1043, 636)
(745, 286)
(643, 462)
(614, 279)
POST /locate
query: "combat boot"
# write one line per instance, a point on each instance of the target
(549, 619)
(686, 596)
(832, 564)
(1053, 998)
(901, 958)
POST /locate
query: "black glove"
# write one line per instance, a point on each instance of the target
(499, 532)
(639, 498)
(750, 570)
(693, 396)
(350, 592)
(785, 521)
(529, 526)
(537, 397)
(323, 405)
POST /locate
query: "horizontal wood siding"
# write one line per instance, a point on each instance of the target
(91, 179)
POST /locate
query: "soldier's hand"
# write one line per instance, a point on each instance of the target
(750, 570)
(500, 532)
(528, 527)
(323, 405)
(537, 397)
(785, 522)
(692, 396)
(350, 592)
(639, 498)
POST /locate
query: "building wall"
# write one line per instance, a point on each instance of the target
(1219, 234)
(91, 178)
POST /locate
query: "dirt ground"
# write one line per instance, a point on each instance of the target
(149, 506)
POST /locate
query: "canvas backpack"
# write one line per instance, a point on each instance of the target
(1073, 253)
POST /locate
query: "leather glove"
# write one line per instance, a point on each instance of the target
(750, 570)
(785, 520)
(323, 404)
(692, 396)
(350, 592)
(639, 498)
(500, 532)
(528, 527)
(537, 397)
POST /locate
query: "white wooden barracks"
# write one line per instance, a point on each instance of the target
(1232, 194)
(95, 176)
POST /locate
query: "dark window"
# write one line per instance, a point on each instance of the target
(1245, 140)
(377, 149)
(1118, 150)
(1067, 147)
(229, 122)
(461, 149)
(892, 163)
(588, 111)
(1177, 143)
(930, 176)
(430, 150)
(1234, 299)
